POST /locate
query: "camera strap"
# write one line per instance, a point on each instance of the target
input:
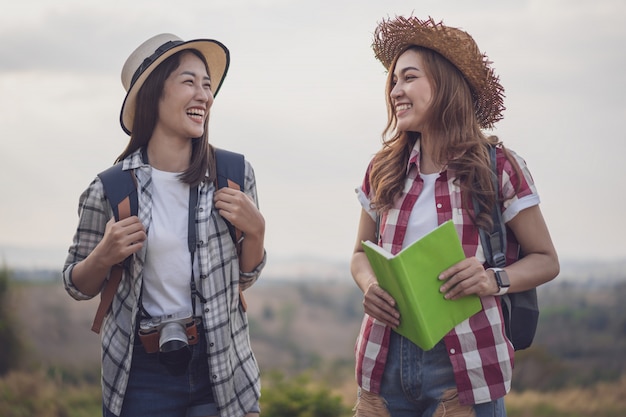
(191, 243)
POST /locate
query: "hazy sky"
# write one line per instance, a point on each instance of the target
(304, 101)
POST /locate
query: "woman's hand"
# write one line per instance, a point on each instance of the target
(380, 305)
(377, 302)
(468, 277)
(239, 209)
(121, 239)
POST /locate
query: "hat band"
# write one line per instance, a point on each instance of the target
(148, 61)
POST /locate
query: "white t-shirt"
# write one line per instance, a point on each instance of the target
(167, 271)
(423, 217)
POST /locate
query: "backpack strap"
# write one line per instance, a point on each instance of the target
(120, 189)
(494, 241)
(231, 172)
(230, 168)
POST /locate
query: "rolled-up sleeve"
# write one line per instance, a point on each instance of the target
(518, 187)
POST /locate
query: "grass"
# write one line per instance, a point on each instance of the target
(601, 400)
(46, 393)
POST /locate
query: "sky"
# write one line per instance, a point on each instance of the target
(304, 101)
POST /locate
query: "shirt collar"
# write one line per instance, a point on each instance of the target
(134, 160)
(414, 158)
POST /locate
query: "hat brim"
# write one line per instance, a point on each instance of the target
(218, 60)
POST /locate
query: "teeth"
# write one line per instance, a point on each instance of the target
(403, 106)
(195, 112)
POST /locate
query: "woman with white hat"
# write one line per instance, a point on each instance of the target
(186, 273)
(441, 93)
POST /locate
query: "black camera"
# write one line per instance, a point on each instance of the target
(170, 336)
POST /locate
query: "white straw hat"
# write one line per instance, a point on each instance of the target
(155, 50)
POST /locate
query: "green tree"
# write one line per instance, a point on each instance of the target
(10, 344)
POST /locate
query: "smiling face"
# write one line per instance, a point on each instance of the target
(186, 100)
(411, 91)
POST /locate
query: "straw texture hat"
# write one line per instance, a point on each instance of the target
(155, 50)
(394, 36)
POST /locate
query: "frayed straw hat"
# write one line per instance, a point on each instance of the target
(155, 50)
(394, 36)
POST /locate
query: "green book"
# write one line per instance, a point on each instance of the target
(410, 277)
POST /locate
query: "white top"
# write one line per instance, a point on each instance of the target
(167, 271)
(423, 217)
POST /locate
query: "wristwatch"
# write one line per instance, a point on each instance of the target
(502, 279)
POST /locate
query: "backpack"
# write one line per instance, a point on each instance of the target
(520, 310)
(120, 189)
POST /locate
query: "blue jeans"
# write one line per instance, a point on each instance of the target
(153, 391)
(421, 383)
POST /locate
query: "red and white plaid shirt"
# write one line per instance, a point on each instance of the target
(480, 353)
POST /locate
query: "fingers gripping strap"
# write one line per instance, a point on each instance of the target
(110, 287)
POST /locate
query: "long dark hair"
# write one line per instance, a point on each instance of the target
(452, 128)
(146, 117)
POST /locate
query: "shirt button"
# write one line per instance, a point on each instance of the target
(200, 209)
(206, 310)
(200, 243)
(452, 351)
(214, 376)
(211, 344)
(439, 205)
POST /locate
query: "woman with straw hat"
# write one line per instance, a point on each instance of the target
(183, 284)
(441, 93)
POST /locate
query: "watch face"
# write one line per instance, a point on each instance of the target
(503, 278)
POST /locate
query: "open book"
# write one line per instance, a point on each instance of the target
(410, 277)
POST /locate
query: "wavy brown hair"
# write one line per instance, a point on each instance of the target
(452, 130)
(147, 114)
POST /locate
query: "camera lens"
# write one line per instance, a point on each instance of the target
(174, 350)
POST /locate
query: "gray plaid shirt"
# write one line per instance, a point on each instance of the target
(234, 370)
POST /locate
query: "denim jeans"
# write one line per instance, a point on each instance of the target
(421, 383)
(153, 391)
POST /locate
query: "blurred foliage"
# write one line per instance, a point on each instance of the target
(59, 392)
(580, 340)
(299, 397)
(11, 347)
(46, 393)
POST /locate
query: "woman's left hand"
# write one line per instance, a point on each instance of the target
(239, 209)
(467, 277)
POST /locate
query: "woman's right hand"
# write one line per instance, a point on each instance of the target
(377, 302)
(380, 305)
(121, 239)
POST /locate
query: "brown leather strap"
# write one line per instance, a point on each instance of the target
(106, 296)
(115, 277)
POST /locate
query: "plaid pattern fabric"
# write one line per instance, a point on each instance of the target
(234, 369)
(480, 353)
